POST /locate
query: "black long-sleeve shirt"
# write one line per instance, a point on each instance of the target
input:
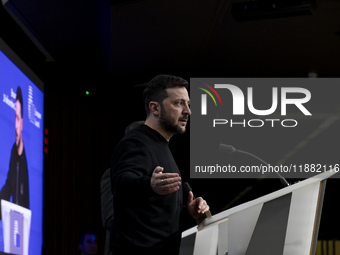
(143, 218)
(17, 180)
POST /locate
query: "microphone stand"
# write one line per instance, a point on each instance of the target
(231, 149)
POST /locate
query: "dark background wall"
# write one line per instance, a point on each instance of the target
(84, 129)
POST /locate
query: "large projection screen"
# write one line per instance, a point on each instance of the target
(21, 160)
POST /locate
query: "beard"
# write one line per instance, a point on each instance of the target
(168, 124)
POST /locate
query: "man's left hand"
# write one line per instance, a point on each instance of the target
(196, 207)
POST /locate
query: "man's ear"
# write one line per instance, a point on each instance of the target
(154, 108)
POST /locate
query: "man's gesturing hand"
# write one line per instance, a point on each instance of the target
(196, 207)
(166, 183)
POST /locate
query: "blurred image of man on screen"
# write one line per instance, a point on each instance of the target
(17, 178)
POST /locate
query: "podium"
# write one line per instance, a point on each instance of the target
(16, 221)
(285, 222)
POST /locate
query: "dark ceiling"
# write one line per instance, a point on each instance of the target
(196, 38)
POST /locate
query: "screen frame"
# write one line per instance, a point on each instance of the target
(21, 64)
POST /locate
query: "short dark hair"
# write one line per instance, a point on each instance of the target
(19, 98)
(156, 89)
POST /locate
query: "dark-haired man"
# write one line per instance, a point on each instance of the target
(146, 182)
(17, 178)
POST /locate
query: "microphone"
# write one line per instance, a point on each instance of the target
(187, 189)
(230, 149)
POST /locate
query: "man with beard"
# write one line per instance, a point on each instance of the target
(17, 178)
(146, 183)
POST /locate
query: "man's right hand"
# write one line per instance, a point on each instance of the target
(164, 183)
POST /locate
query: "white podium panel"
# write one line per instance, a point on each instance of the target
(16, 221)
(285, 222)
